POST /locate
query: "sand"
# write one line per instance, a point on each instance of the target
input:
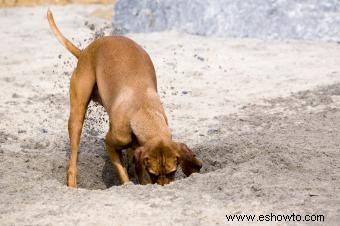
(263, 116)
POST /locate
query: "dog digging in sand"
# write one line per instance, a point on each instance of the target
(117, 73)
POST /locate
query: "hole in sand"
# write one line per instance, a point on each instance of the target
(95, 170)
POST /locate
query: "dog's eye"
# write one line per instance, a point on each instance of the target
(152, 175)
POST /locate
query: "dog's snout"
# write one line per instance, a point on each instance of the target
(163, 180)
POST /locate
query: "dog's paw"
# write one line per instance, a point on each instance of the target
(128, 183)
(71, 179)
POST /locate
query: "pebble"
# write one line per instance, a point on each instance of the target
(15, 95)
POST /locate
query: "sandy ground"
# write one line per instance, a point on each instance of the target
(263, 116)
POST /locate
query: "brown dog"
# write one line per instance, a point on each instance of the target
(119, 74)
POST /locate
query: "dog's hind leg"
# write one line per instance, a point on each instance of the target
(81, 85)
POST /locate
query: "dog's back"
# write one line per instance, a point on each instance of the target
(115, 63)
(119, 63)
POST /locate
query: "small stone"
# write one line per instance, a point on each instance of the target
(92, 27)
(15, 95)
(214, 131)
(200, 58)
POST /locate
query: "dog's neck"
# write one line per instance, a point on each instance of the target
(148, 123)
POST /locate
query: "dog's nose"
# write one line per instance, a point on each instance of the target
(162, 181)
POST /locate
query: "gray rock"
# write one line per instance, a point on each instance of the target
(274, 19)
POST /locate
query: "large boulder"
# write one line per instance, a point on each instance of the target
(272, 19)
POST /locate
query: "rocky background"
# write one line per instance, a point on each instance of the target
(275, 19)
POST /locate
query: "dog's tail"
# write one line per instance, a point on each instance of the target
(64, 41)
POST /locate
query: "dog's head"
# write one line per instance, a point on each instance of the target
(161, 159)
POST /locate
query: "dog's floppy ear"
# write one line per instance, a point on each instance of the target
(188, 161)
(139, 158)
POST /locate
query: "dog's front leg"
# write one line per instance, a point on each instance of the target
(115, 157)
